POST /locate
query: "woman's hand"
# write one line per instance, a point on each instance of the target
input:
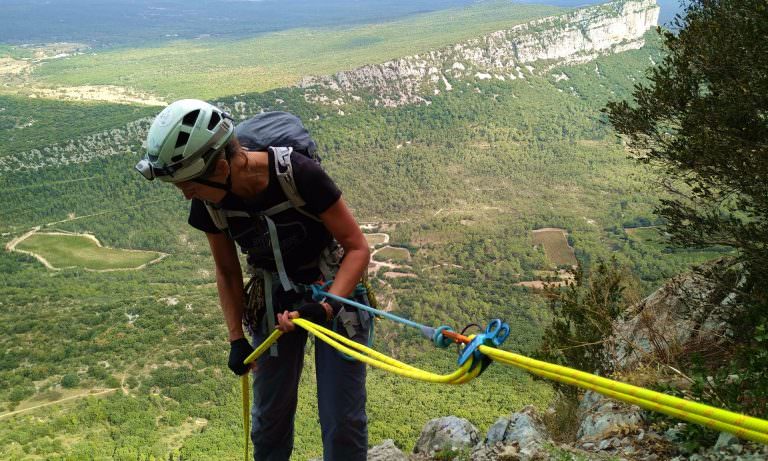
(314, 312)
(284, 321)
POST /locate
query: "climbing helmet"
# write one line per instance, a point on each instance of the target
(184, 140)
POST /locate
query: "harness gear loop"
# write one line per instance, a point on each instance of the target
(349, 319)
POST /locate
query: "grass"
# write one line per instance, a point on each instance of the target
(376, 239)
(394, 254)
(80, 251)
(214, 68)
(556, 247)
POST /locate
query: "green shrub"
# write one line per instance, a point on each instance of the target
(70, 380)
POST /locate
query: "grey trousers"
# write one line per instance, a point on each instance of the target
(341, 398)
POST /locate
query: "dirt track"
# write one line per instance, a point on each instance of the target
(73, 397)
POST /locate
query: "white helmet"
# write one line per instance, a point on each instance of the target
(184, 139)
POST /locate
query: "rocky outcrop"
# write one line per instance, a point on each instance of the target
(611, 427)
(519, 436)
(607, 430)
(386, 451)
(446, 434)
(118, 141)
(686, 315)
(504, 55)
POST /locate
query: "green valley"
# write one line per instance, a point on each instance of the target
(457, 183)
(210, 68)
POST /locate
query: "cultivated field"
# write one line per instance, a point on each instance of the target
(376, 239)
(65, 250)
(645, 234)
(555, 245)
(389, 253)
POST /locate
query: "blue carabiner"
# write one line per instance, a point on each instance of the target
(472, 349)
(497, 332)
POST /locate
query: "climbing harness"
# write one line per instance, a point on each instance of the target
(478, 351)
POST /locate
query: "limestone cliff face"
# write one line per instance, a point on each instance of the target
(505, 55)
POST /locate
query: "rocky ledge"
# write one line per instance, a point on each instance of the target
(685, 314)
(607, 431)
(575, 37)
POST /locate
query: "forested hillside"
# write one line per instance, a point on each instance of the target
(459, 182)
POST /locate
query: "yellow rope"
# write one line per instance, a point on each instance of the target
(246, 386)
(358, 351)
(379, 360)
(743, 426)
(746, 427)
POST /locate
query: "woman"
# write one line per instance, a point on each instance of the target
(238, 196)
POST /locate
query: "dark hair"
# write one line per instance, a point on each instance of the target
(233, 148)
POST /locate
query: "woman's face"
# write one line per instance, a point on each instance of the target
(192, 189)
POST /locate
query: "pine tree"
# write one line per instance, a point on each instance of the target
(703, 120)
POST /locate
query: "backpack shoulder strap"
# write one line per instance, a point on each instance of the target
(217, 216)
(284, 170)
(220, 216)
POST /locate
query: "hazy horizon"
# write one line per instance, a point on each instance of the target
(119, 23)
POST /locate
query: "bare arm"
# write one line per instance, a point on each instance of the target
(229, 281)
(339, 221)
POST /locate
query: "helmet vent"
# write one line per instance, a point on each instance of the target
(215, 119)
(182, 139)
(177, 158)
(190, 118)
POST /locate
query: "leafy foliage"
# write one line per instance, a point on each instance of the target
(701, 119)
(583, 315)
(27, 123)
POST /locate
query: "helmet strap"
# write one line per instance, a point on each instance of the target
(216, 185)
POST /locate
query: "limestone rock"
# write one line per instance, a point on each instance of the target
(386, 451)
(497, 431)
(602, 418)
(522, 429)
(686, 314)
(446, 433)
(575, 37)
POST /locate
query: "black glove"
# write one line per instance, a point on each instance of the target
(335, 306)
(239, 350)
(314, 312)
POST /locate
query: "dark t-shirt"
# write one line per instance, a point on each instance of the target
(302, 239)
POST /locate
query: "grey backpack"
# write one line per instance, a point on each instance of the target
(282, 133)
